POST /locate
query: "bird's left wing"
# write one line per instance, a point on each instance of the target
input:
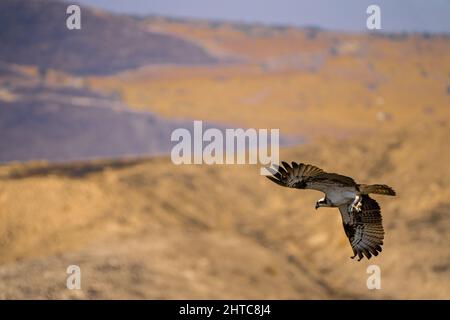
(363, 227)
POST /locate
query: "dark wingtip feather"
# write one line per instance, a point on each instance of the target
(390, 191)
(282, 171)
(287, 166)
(276, 181)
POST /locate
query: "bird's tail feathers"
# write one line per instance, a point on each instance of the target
(377, 188)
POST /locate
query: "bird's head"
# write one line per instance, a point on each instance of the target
(321, 203)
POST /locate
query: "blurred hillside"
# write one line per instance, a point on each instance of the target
(372, 106)
(60, 118)
(149, 229)
(305, 81)
(35, 33)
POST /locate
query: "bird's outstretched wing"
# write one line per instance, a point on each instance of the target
(306, 176)
(295, 176)
(363, 227)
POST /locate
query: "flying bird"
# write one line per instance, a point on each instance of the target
(361, 215)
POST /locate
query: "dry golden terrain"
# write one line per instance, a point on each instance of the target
(146, 228)
(303, 81)
(374, 107)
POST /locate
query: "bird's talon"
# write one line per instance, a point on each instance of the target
(356, 207)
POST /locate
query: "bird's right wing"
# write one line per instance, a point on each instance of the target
(295, 176)
(363, 227)
(306, 176)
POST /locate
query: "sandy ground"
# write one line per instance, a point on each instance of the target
(148, 229)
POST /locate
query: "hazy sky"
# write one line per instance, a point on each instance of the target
(348, 15)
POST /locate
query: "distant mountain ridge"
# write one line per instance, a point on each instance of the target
(35, 33)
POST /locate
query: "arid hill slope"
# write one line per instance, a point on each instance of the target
(150, 229)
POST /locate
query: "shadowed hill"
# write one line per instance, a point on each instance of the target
(61, 119)
(35, 33)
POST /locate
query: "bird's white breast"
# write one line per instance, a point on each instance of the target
(340, 196)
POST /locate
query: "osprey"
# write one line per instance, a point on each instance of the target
(361, 215)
